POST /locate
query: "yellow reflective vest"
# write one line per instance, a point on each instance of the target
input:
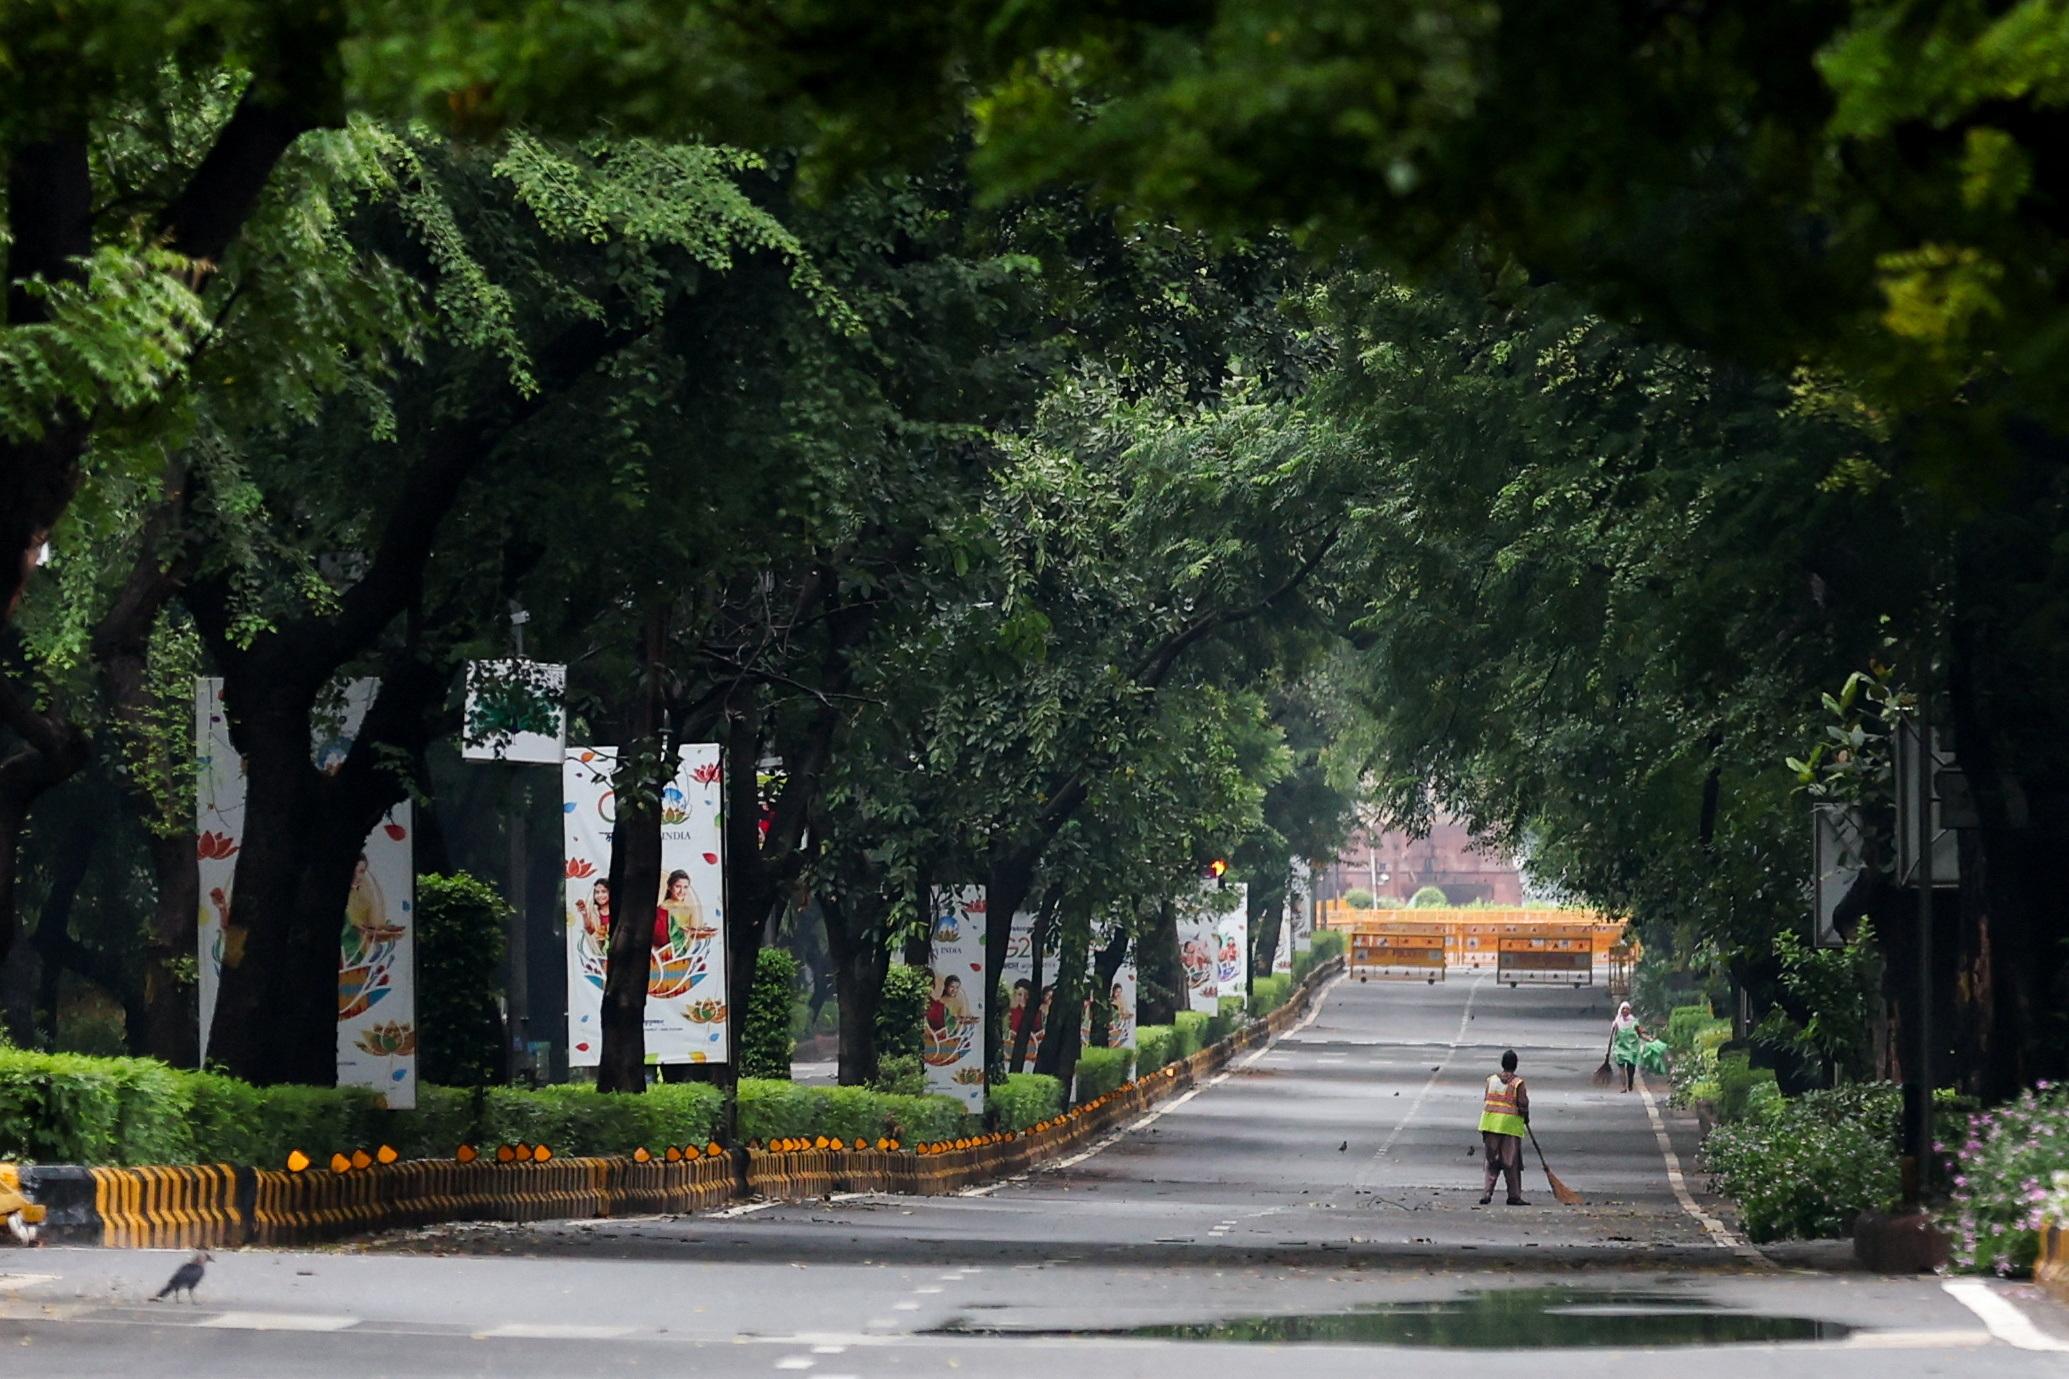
(1498, 1112)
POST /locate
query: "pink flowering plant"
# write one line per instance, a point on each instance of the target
(2007, 1177)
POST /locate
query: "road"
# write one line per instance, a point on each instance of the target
(1312, 1205)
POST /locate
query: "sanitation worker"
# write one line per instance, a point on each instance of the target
(1504, 1113)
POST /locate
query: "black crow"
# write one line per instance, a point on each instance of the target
(185, 1277)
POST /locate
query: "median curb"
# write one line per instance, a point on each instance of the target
(203, 1205)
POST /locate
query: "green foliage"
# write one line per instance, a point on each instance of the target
(1102, 1070)
(901, 1009)
(1737, 1084)
(1024, 1099)
(1268, 993)
(1682, 1024)
(902, 1074)
(1841, 990)
(2009, 1167)
(766, 1044)
(1326, 944)
(1429, 898)
(1812, 1163)
(459, 940)
(772, 1109)
(64, 1108)
(1358, 898)
(1189, 1033)
(1155, 1045)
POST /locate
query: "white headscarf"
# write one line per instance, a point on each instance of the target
(1624, 1018)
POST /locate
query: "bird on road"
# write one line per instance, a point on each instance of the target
(185, 1277)
(1341, 1147)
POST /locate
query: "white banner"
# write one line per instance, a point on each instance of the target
(1198, 918)
(1282, 955)
(1025, 1001)
(515, 712)
(1232, 943)
(686, 1018)
(218, 835)
(1300, 904)
(952, 1037)
(377, 1015)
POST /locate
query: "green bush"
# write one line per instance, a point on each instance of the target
(1429, 898)
(900, 1011)
(1358, 898)
(772, 1109)
(1024, 1099)
(1155, 1045)
(1267, 994)
(1326, 944)
(578, 1119)
(62, 1108)
(1190, 1029)
(766, 1044)
(1682, 1024)
(459, 943)
(1811, 1164)
(1737, 1081)
(2008, 1173)
(902, 1075)
(920, 1119)
(1102, 1070)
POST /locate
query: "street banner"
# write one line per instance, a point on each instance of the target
(1232, 943)
(218, 837)
(1300, 904)
(515, 712)
(377, 1017)
(1282, 953)
(1018, 979)
(952, 1035)
(1198, 918)
(686, 973)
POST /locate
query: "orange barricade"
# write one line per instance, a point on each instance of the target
(1546, 955)
(1399, 952)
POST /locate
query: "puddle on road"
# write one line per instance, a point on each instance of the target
(1513, 1318)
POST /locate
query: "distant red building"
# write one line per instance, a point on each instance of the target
(1394, 867)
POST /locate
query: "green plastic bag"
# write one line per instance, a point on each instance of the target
(1652, 1056)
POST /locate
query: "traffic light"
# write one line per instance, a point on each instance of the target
(1218, 869)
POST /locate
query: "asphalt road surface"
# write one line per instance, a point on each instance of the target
(1315, 1208)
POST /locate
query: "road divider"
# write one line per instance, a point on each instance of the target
(202, 1205)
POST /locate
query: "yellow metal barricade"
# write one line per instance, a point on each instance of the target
(1399, 952)
(1546, 955)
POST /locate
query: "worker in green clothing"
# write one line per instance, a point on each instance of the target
(1626, 1041)
(1504, 1118)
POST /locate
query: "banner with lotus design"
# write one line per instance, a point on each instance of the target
(686, 1016)
(377, 1017)
(952, 1030)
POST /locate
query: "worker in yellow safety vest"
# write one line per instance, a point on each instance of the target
(1504, 1117)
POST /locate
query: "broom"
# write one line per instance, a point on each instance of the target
(1603, 1075)
(1566, 1195)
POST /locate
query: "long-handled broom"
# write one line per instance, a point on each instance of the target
(1566, 1195)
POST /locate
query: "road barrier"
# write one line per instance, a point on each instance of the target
(1473, 937)
(1545, 955)
(1399, 952)
(194, 1206)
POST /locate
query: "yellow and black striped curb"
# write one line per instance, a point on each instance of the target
(225, 1204)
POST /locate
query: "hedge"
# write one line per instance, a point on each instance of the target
(1267, 994)
(1155, 1045)
(1189, 1031)
(772, 1109)
(1805, 1167)
(1102, 1070)
(67, 1108)
(1025, 1099)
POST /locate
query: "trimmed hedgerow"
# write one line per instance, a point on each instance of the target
(1155, 1045)
(1025, 1099)
(1102, 1070)
(771, 1109)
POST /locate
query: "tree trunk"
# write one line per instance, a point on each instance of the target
(860, 956)
(1062, 1036)
(1266, 901)
(1038, 944)
(1161, 980)
(1105, 967)
(1009, 879)
(170, 1031)
(635, 891)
